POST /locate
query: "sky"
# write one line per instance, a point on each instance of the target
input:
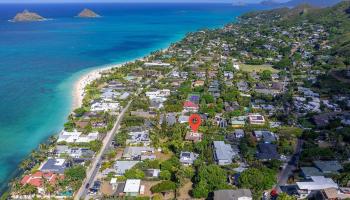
(127, 1)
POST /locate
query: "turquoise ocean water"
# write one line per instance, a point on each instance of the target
(40, 61)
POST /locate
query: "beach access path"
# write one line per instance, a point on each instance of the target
(93, 169)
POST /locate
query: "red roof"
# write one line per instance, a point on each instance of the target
(190, 104)
(36, 179)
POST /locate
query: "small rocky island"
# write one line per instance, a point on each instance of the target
(87, 13)
(27, 16)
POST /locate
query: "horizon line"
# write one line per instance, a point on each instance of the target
(132, 2)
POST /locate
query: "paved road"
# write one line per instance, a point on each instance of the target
(93, 169)
(292, 164)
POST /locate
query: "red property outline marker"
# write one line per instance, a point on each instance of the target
(195, 122)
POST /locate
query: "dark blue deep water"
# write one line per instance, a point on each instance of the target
(39, 61)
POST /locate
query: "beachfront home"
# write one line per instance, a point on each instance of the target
(54, 165)
(73, 152)
(105, 106)
(156, 64)
(76, 137)
(38, 179)
(223, 153)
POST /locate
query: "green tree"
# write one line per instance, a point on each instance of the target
(257, 179)
(134, 173)
(165, 175)
(266, 75)
(164, 186)
(201, 190)
(284, 196)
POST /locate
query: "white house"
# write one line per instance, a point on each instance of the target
(158, 94)
(69, 137)
(132, 187)
(76, 137)
(317, 183)
(105, 106)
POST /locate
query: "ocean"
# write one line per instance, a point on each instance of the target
(39, 61)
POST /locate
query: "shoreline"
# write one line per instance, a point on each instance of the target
(88, 77)
(84, 80)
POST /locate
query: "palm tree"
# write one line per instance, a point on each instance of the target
(25, 164)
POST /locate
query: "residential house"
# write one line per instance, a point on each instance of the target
(239, 194)
(156, 64)
(138, 138)
(239, 133)
(121, 166)
(256, 119)
(198, 83)
(54, 165)
(194, 98)
(39, 178)
(242, 86)
(308, 172)
(170, 119)
(183, 119)
(132, 187)
(228, 75)
(267, 151)
(223, 153)
(139, 153)
(194, 136)
(189, 106)
(158, 94)
(187, 158)
(238, 122)
(332, 194)
(104, 106)
(328, 167)
(74, 152)
(76, 137)
(266, 136)
(317, 183)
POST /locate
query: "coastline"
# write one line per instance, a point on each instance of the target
(74, 87)
(84, 80)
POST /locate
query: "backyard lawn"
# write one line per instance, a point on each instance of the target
(257, 68)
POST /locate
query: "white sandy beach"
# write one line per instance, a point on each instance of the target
(79, 86)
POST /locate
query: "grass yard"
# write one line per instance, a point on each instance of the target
(257, 68)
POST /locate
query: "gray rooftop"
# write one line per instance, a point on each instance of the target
(122, 166)
(232, 194)
(331, 166)
(310, 171)
(187, 157)
(54, 165)
(223, 151)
